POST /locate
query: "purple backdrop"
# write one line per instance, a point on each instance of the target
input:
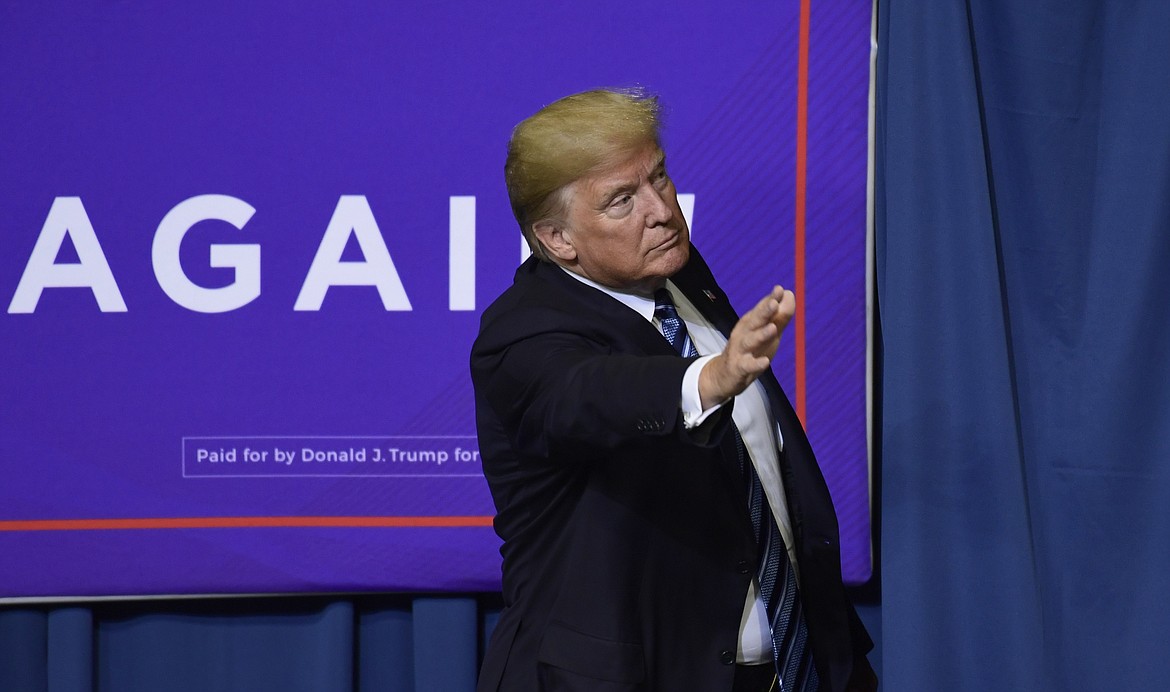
(213, 410)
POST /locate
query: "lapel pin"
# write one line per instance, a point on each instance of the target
(709, 294)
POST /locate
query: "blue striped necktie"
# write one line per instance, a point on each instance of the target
(774, 573)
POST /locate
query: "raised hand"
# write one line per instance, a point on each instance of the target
(750, 348)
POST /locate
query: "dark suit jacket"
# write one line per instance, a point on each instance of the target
(627, 545)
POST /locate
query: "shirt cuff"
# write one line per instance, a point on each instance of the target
(692, 403)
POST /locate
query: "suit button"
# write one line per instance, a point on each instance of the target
(727, 657)
(743, 566)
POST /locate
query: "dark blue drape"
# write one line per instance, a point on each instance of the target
(304, 644)
(1023, 230)
(361, 644)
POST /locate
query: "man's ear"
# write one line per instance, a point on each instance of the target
(555, 240)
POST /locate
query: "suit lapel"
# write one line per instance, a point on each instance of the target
(698, 285)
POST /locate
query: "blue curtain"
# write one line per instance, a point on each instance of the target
(1023, 230)
(367, 644)
(304, 644)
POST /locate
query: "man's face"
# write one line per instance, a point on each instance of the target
(624, 226)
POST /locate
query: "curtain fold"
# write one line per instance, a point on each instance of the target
(385, 649)
(23, 649)
(1023, 227)
(70, 639)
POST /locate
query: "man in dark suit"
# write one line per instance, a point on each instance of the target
(665, 524)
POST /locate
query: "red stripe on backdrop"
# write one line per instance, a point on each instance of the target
(799, 228)
(243, 522)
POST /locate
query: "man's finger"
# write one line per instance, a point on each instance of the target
(763, 339)
(762, 313)
(785, 311)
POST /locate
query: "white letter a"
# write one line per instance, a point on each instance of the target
(352, 214)
(67, 217)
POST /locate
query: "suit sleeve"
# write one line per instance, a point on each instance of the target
(555, 393)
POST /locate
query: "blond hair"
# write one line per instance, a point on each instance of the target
(568, 139)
